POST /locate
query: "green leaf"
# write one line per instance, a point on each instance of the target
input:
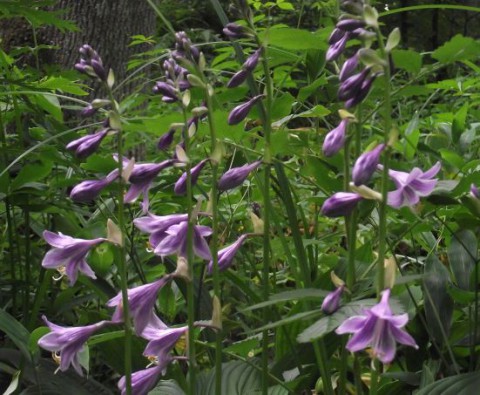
(462, 384)
(458, 125)
(62, 84)
(16, 332)
(50, 104)
(35, 336)
(167, 387)
(438, 303)
(293, 39)
(243, 347)
(30, 173)
(458, 48)
(287, 296)
(407, 60)
(462, 255)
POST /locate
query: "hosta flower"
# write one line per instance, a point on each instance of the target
(162, 341)
(350, 24)
(331, 303)
(88, 190)
(348, 68)
(366, 164)
(474, 192)
(247, 68)
(166, 140)
(174, 241)
(87, 145)
(142, 381)
(340, 204)
(181, 184)
(335, 139)
(411, 186)
(156, 225)
(226, 255)
(68, 342)
(141, 302)
(235, 31)
(351, 86)
(336, 49)
(68, 255)
(170, 94)
(91, 63)
(362, 93)
(236, 176)
(240, 112)
(379, 329)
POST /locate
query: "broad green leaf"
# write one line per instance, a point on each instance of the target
(16, 332)
(167, 387)
(462, 255)
(458, 48)
(30, 173)
(35, 336)
(294, 39)
(297, 294)
(62, 84)
(462, 384)
(243, 347)
(407, 60)
(50, 104)
(438, 303)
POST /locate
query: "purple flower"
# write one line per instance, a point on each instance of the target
(68, 342)
(87, 145)
(68, 255)
(247, 68)
(238, 78)
(340, 204)
(240, 112)
(336, 36)
(162, 341)
(335, 139)
(91, 63)
(88, 111)
(474, 192)
(166, 140)
(361, 93)
(335, 50)
(234, 31)
(181, 184)
(88, 190)
(141, 302)
(141, 179)
(331, 303)
(348, 68)
(184, 48)
(142, 381)
(174, 241)
(379, 329)
(411, 186)
(168, 91)
(236, 176)
(157, 225)
(366, 165)
(226, 255)
(352, 85)
(350, 24)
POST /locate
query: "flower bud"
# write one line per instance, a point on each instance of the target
(340, 204)
(166, 140)
(236, 176)
(240, 112)
(350, 24)
(181, 185)
(235, 31)
(474, 192)
(87, 145)
(348, 68)
(335, 139)
(336, 36)
(349, 88)
(88, 190)
(362, 93)
(335, 50)
(331, 303)
(366, 165)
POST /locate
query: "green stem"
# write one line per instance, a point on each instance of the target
(122, 264)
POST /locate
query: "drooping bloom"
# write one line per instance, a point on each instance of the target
(379, 329)
(88, 190)
(181, 184)
(235, 176)
(142, 381)
(141, 302)
(68, 342)
(331, 303)
(141, 180)
(87, 145)
(240, 112)
(162, 341)
(174, 241)
(366, 164)
(156, 225)
(68, 255)
(335, 139)
(226, 255)
(411, 186)
(340, 204)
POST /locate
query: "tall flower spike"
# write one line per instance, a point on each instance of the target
(68, 255)
(240, 112)
(87, 145)
(236, 176)
(340, 204)
(68, 342)
(141, 302)
(379, 329)
(411, 186)
(181, 184)
(226, 255)
(89, 190)
(335, 139)
(366, 165)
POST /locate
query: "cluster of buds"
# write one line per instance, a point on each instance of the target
(91, 63)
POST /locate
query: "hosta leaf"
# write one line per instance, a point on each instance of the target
(305, 293)
(16, 332)
(167, 387)
(462, 384)
(458, 48)
(462, 254)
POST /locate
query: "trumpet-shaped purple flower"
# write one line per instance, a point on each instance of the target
(379, 329)
(68, 255)
(340, 204)
(174, 241)
(331, 303)
(87, 145)
(240, 112)
(68, 342)
(236, 176)
(181, 184)
(366, 165)
(162, 341)
(226, 255)
(141, 180)
(141, 302)
(157, 225)
(88, 190)
(142, 381)
(335, 139)
(411, 186)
